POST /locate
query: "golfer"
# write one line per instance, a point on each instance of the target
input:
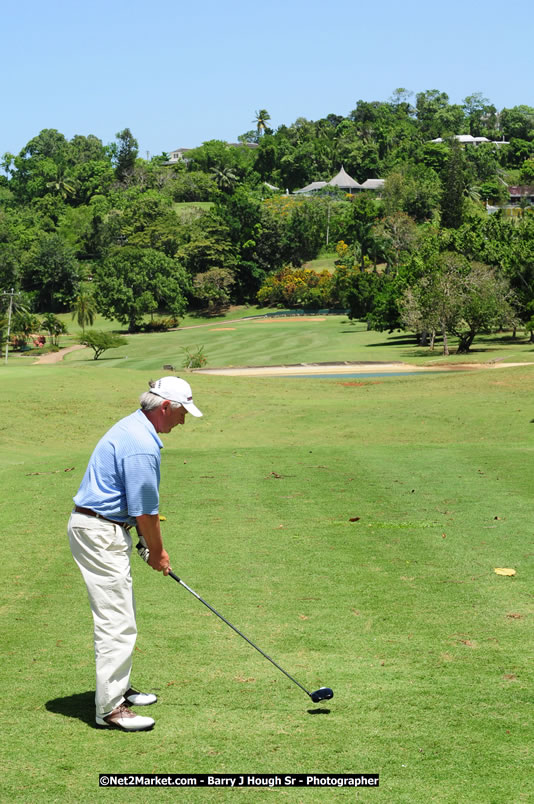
(120, 489)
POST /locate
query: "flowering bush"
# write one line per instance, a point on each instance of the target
(296, 287)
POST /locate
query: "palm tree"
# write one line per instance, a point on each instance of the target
(261, 120)
(225, 178)
(54, 327)
(62, 185)
(84, 309)
(472, 191)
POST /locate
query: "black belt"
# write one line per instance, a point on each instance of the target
(90, 512)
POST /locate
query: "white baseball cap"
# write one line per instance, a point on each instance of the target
(176, 390)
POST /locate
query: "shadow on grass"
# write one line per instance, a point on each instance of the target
(209, 314)
(395, 340)
(318, 711)
(98, 359)
(80, 706)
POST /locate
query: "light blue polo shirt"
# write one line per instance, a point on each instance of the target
(122, 478)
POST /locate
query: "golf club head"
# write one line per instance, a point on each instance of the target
(322, 694)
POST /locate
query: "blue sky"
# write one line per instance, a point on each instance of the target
(178, 74)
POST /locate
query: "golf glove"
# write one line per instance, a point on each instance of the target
(142, 548)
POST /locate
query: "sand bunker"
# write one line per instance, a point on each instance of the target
(348, 368)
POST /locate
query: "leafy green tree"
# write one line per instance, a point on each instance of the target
(483, 162)
(100, 341)
(459, 298)
(256, 237)
(512, 249)
(385, 313)
(355, 289)
(452, 199)
(435, 301)
(193, 185)
(400, 100)
(51, 274)
(526, 175)
(363, 214)
(207, 245)
(480, 113)
(431, 107)
(213, 287)
(305, 230)
(54, 327)
(434, 155)
(126, 153)
(23, 324)
(133, 281)
(90, 179)
(518, 123)
(10, 251)
(413, 189)
(488, 305)
(493, 191)
(146, 219)
(248, 136)
(398, 233)
(218, 154)
(37, 164)
(517, 151)
(86, 149)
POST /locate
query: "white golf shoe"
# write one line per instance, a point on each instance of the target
(135, 698)
(123, 718)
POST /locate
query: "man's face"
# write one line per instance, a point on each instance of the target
(170, 417)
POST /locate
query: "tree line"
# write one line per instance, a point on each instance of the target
(88, 224)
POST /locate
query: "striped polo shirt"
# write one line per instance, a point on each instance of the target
(122, 478)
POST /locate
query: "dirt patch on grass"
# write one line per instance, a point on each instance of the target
(222, 329)
(57, 357)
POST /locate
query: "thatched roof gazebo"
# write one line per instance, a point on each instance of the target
(344, 181)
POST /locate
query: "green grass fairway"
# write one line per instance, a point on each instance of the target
(275, 341)
(326, 262)
(428, 651)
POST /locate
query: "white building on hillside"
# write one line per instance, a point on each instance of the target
(467, 139)
(177, 155)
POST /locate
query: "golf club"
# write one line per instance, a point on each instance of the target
(322, 694)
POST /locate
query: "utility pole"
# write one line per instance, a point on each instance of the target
(11, 294)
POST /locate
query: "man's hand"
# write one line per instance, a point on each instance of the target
(149, 530)
(160, 562)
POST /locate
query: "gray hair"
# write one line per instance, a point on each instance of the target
(150, 401)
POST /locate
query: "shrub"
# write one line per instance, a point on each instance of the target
(296, 287)
(160, 324)
(194, 359)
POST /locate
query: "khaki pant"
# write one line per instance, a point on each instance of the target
(102, 552)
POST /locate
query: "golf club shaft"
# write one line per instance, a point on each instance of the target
(182, 583)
